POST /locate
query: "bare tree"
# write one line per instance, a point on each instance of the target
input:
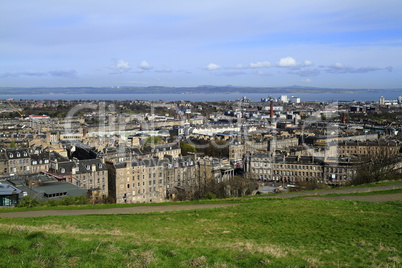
(376, 168)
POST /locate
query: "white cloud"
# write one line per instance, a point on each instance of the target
(239, 66)
(63, 73)
(260, 64)
(339, 68)
(307, 80)
(144, 65)
(308, 63)
(213, 66)
(339, 65)
(121, 66)
(33, 73)
(305, 72)
(261, 73)
(287, 62)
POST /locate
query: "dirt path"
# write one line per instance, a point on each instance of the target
(127, 210)
(174, 207)
(339, 191)
(369, 198)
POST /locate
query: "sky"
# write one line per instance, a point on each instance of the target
(258, 43)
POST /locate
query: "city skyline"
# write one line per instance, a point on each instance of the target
(178, 43)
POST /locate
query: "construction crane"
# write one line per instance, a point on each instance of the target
(15, 109)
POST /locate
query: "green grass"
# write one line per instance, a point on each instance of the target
(374, 184)
(380, 192)
(266, 232)
(244, 199)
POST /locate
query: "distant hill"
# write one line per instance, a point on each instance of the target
(203, 89)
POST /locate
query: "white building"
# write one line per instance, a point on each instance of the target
(294, 99)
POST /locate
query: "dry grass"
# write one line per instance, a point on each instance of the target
(271, 250)
(197, 262)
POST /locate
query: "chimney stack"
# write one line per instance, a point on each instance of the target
(271, 110)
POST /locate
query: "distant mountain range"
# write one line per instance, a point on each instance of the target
(204, 89)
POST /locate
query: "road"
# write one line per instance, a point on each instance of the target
(175, 207)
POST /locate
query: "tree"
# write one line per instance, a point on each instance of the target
(377, 168)
(12, 144)
(153, 139)
(187, 148)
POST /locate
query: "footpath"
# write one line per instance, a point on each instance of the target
(338, 191)
(175, 207)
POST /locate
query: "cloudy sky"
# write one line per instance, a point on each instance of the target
(342, 43)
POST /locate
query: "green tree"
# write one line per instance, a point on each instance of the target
(187, 148)
(153, 139)
(12, 144)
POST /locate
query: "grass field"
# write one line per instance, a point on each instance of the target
(265, 232)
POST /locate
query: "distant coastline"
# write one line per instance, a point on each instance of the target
(185, 90)
(205, 97)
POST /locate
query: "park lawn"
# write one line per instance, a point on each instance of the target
(267, 232)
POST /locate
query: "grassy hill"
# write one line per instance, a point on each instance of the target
(265, 232)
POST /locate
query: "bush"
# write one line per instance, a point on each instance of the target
(210, 196)
(66, 201)
(28, 202)
(73, 200)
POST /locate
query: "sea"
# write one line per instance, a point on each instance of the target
(321, 97)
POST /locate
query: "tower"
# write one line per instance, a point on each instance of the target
(382, 100)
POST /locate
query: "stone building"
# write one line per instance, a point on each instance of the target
(368, 148)
(40, 162)
(156, 180)
(90, 174)
(214, 169)
(14, 161)
(333, 171)
(138, 181)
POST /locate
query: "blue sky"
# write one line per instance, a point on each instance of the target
(343, 44)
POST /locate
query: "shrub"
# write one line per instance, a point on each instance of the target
(210, 196)
(28, 202)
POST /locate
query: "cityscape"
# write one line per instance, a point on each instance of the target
(200, 133)
(156, 151)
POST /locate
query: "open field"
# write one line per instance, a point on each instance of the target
(266, 232)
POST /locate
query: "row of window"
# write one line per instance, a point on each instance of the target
(46, 161)
(21, 161)
(18, 154)
(22, 168)
(286, 166)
